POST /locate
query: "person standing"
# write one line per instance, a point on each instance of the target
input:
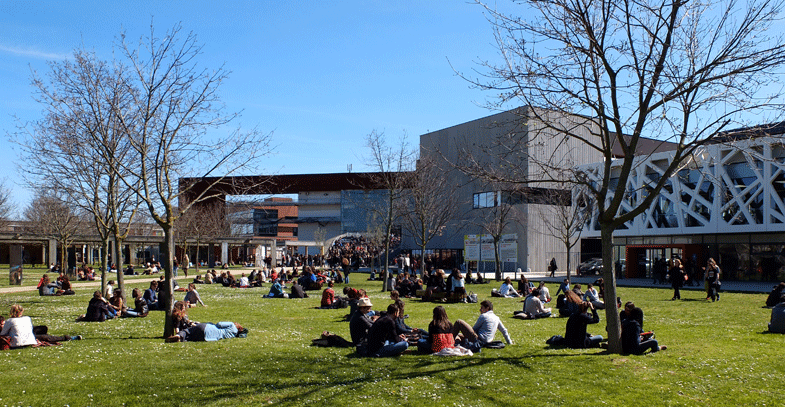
(712, 280)
(677, 278)
(553, 266)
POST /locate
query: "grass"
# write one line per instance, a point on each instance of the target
(718, 354)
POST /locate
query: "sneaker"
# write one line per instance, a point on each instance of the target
(173, 338)
(76, 338)
(663, 347)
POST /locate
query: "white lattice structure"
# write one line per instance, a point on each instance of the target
(723, 188)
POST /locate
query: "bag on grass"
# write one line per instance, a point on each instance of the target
(555, 340)
(494, 345)
(471, 298)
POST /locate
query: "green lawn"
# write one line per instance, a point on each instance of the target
(718, 354)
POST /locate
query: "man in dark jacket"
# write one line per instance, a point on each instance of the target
(383, 337)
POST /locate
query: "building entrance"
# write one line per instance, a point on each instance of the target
(640, 259)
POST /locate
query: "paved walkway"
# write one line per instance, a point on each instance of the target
(734, 286)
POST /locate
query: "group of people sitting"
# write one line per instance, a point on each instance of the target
(383, 334)
(62, 286)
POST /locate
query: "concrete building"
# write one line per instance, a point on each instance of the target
(518, 140)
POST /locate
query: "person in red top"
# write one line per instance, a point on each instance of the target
(328, 296)
(440, 330)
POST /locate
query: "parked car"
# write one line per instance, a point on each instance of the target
(590, 267)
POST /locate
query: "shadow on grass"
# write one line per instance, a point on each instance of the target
(322, 382)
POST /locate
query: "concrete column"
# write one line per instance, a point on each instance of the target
(259, 256)
(53, 252)
(273, 252)
(224, 252)
(132, 253)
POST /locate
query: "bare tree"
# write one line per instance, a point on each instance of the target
(392, 163)
(172, 134)
(496, 220)
(49, 215)
(564, 218)
(201, 225)
(428, 208)
(82, 144)
(6, 209)
(677, 71)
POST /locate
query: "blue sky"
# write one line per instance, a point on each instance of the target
(320, 75)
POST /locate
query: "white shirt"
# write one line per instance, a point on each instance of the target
(20, 330)
(533, 306)
(545, 294)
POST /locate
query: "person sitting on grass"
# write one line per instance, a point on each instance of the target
(151, 296)
(545, 293)
(507, 290)
(276, 290)
(569, 304)
(117, 303)
(297, 291)
(532, 307)
(98, 309)
(774, 296)
(412, 334)
(328, 296)
(192, 297)
(633, 340)
(19, 331)
(140, 305)
(593, 297)
(576, 336)
(440, 339)
(361, 322)
(777, 324)
(65, 285)
(524, 286)
(484, 330)
(46, 287)
(384, 339)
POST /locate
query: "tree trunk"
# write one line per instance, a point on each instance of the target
(569, 267)
(104, 261)
(167, 289)
(498, 260)
(613, 324)
(118, 257)
(386, 262)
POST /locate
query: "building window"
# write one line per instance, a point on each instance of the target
(485, 200)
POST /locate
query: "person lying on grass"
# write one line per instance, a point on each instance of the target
(19, 332)
(192, 331)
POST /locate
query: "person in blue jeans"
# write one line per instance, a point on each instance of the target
(384, 339)
(209, 332)
(632, 342)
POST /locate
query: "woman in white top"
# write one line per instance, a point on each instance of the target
(19, 330)
(507, 290)
(458, 282)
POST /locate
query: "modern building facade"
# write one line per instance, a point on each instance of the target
(727, 202)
